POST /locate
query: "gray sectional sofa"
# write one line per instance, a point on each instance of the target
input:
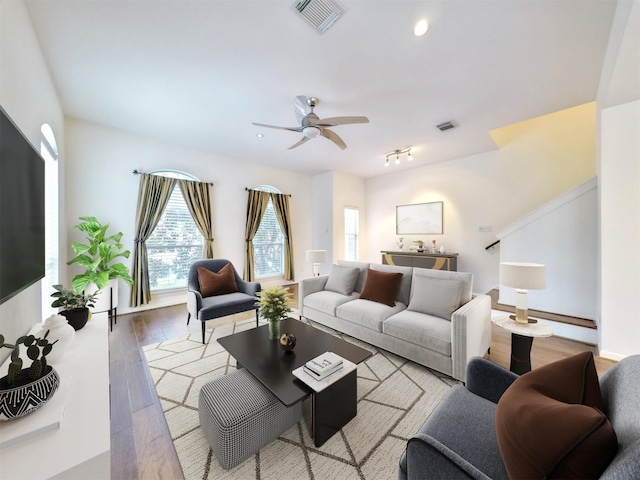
(436, 321)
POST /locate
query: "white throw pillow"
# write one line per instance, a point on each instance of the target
(437, 297)
(342, 279)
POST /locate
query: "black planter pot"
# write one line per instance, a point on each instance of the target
(77, 317)
(25, 396)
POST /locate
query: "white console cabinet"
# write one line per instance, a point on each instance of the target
(80, 447)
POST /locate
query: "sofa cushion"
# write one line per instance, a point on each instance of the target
(405, 285)
(327, 301)
(464, 277)
(549, 422)
(217, 283)
(423, 330)
(439, 297)
(342, 279)
(367, 313)
(381, 287)
(363, 267)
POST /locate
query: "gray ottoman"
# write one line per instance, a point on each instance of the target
(238, 416)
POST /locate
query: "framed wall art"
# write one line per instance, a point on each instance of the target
(420, 218)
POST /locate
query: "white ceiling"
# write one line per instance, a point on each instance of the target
(199, 72)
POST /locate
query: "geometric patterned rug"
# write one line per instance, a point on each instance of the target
(395, 396)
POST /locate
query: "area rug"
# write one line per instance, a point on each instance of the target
(395, 396)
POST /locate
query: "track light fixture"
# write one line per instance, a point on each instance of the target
(397, 153)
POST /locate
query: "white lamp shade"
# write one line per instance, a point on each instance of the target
(527, 276)
(316, 256)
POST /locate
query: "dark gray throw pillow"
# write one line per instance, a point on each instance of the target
(342, 279)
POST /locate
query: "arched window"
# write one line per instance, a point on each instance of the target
(49, 151)
(268, 244)
(175, 243)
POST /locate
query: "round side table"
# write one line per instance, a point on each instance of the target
(521, 340)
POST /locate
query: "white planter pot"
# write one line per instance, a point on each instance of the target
(105, 296)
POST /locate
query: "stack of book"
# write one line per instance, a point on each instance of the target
(323, 365)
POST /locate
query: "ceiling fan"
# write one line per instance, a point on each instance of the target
(311, 125)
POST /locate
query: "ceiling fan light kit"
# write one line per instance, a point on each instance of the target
(311, 126)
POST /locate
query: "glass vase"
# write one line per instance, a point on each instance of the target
(274, 329)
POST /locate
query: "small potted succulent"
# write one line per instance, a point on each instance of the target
(74, 306)
(24, 390)
(274, 306)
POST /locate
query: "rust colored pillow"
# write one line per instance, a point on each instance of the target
(381, 287)
(550, 424)
(212, 283)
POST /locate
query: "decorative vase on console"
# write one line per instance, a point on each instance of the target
(400, 244)
(60, 330)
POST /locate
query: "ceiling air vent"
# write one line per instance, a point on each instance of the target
(319, 13)
(443, 127)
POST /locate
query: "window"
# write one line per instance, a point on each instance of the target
(268, 244)
(175, 243)
(49, 151)
(351, 230)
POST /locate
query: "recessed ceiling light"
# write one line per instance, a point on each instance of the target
(421, 28)
(259, 135)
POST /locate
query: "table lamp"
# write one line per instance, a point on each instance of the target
(523, 277)
(316, 257)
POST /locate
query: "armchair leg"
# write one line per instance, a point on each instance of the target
(188, 317)
(256, 318)
(203, 331)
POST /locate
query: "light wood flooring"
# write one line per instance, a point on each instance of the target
(141, 446)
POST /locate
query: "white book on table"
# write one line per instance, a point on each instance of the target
(323, 365)
(319, 385)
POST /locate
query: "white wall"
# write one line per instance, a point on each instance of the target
(562, 235)
(28, 95)
(620, 230)
(539, 160)
(322, 218)
(101, 184)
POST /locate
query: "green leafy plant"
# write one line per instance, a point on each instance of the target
(68, 299)
(274, 303)
(419, 242)
(37, 350)
(98, 256)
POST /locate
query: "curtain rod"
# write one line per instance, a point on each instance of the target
(247, 189)
(136, 172)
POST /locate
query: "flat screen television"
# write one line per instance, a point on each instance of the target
(22, 217)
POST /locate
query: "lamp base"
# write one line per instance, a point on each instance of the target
(529, 320)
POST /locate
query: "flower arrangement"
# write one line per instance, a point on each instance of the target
(274, 306)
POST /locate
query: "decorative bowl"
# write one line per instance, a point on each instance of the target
(287, 342)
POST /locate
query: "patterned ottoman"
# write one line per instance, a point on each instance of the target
(238, 416)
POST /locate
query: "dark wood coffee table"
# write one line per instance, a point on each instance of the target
(331, 408)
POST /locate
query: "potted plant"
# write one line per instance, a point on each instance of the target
(274, 306)
(420, 244)
(74, 306)
(98, 257)
(24, 390)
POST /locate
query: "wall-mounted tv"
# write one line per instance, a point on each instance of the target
(22, 257)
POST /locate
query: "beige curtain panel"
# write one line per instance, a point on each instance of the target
(281, 206)
(196, 196)
(153, 196)
(256, 206)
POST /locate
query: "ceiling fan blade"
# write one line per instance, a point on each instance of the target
(326, 133)
(304, 139)
(333, 121)
(301, 107)
(292, 129)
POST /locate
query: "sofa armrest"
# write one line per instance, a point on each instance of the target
(250, 288)
(428, 458)
(311, 285)
(487, 379)
(470, 333)
(194, 302)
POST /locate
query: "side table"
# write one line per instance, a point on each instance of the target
(521, 340)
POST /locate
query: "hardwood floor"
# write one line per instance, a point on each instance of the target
(141, 446)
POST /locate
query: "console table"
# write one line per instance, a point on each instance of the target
(81, 446)
(434, 261)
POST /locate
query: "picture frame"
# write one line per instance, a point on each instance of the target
(419, 218)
